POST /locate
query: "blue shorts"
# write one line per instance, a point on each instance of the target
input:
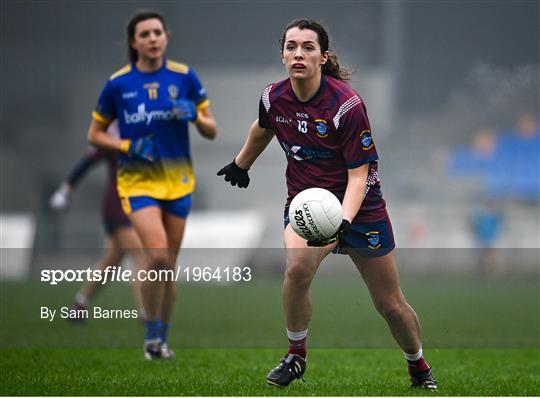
(369, 239)
(179, 207)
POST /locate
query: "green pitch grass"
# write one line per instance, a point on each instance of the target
(482, 338)
(241, 372)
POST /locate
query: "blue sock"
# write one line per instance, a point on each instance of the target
(153, 329)
(164, 331)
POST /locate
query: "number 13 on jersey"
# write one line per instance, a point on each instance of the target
(302, 126)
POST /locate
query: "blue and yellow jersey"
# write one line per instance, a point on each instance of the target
(143, 104)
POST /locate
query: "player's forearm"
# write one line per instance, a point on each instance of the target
(257, 141)
(206, 125)
(98, 136)
(354, 193)
(80, 169)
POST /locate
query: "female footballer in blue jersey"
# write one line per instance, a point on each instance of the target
(322, 125)
(154, 100)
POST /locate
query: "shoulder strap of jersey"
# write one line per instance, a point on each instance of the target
(177, 67)
(123, 71)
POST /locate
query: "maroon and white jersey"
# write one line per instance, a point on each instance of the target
(322, 139)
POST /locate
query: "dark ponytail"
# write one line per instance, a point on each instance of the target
(331, 67)
(140, 16)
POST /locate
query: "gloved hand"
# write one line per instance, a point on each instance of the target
(142, 148)
(235, 175)
(342, 230)
(60, 198)
(185, 110)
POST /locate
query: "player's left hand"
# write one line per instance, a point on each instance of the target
(342, 230)
(185, 110)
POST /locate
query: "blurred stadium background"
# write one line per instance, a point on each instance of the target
(452, 90)
(435, 75)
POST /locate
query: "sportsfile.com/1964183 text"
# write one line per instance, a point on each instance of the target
(122, 274)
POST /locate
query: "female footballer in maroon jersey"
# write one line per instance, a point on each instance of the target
(121, 236)
(322, 125)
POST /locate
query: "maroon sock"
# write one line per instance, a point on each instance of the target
(298, 347)
(419, 365)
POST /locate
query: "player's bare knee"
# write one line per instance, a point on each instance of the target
(298, 274)
(158, 260)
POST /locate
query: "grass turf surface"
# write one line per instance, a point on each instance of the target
(227, 337)
(242, 371)
(455, 313)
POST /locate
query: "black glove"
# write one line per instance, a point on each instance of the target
(342, 230)
(235, 175)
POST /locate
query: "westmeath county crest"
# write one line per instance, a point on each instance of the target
(373, 239)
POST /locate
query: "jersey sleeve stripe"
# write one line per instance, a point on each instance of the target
(266, 97)
(344, 108)
(362, 162)
(203, 104)
(100, 118)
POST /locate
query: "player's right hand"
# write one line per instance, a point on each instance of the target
(343, 229)
(235, 175)
(60, 198)
(142, 148)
